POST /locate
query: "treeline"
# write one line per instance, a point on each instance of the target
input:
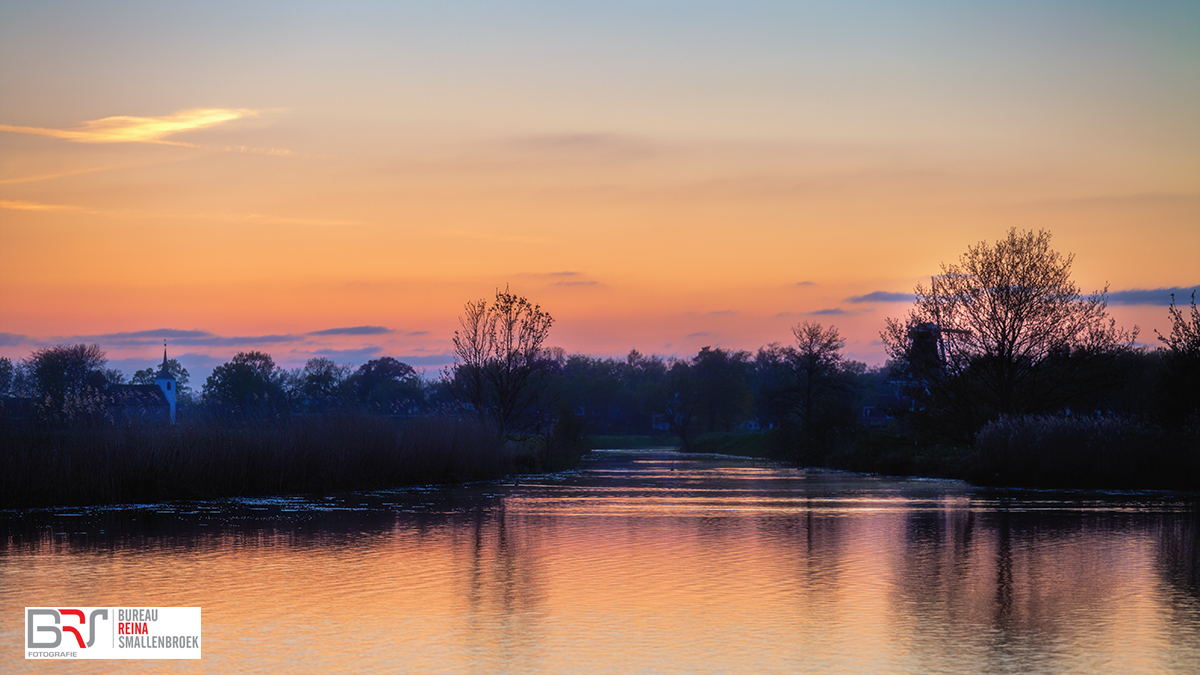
(65, 377)
(1002, 373)
(807, 385)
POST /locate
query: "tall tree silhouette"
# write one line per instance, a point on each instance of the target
(499, 361)
(1011, 333)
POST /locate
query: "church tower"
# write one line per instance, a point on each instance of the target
(166, 381)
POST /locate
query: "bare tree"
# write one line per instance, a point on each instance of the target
(818, 360)
(1178, 387)
(1184, 337)
(498, 359)
(1010, 329)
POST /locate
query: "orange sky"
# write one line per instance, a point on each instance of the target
(655, 180)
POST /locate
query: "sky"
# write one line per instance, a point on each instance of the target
(338, 179)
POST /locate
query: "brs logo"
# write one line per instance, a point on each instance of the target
(58, 616)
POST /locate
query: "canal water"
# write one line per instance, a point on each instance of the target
(643, 561)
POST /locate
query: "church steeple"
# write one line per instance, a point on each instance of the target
(166, 381)
(165, 371)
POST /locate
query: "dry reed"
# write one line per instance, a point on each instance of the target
(215, 457)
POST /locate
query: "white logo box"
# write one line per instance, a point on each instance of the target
(60, 632)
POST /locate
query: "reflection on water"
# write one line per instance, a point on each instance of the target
(644, 561)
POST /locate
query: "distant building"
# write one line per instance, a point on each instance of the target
(146, 402)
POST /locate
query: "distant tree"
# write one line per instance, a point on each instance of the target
(249, 380)
(499, 361)
(723, 397)
(643, 377)
(808, 390)
(591, 388)
(7, 375)
(1178, 390)
(772, 379)
(676, 401)
(388, 386)
(56, 373)
(322, 378)
(112, 376)
(1004, 331)
(181, 375)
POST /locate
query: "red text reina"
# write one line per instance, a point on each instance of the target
(132, 628)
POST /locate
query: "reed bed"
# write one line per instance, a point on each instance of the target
(1083, 452)
(213, 458)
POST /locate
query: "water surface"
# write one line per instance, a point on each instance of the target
(641, 561)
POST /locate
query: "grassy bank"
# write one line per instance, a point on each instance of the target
(206, 459)
(626, 442)
(740, 444)
(1023, 451)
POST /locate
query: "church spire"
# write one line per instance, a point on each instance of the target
(166, 382)
(164, 373)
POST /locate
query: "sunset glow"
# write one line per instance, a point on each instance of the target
(310, 180)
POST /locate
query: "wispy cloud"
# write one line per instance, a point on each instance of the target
(696, 335)
(261, 217)
(360, 355)
(806, 283)
(1109, 201)
(881, 296)
(833, 311)
(564, 279)
(582, 147)
(1152, 296)
(11, 339)
(129, 129)
(199, 339)
(160, 333)
(22, 205)
(427, 359)
(489, 236)
(203, 338)
(61, 174)
(354, 330)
